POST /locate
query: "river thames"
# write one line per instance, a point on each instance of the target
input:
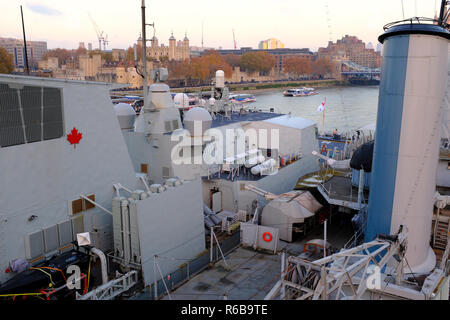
(346, 108)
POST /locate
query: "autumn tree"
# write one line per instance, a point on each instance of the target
(6, 61)
(321, 67)
(234, 60)
(129, 56)
(213, 62)
(179, 70)
(106, 56)
(63, 55)
(297, 65)
(259, 61)
(200, 68)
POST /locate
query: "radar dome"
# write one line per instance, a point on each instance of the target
(181, 100)
(220, 79)
(197, 116)
(159, 96)
(126, 115)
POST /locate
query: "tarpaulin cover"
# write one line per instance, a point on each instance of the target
(305, 199)
(362, 157)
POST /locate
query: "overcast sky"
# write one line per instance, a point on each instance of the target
(297, 23)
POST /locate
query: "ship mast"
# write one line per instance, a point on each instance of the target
(144, 56)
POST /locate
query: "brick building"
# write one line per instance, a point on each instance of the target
(353, 49)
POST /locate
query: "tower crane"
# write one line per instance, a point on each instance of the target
(99, 33)
(105, 42)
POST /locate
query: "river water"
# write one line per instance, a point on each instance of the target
(346, 108)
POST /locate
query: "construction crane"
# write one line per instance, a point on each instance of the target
(234, 41)
(99, 33)
(105, 42)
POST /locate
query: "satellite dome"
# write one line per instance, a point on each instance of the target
(197, 116)
(181, 100)
(220, 79)
(126, 115)
(159, 96)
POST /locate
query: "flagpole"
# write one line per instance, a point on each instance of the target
(323, 115)
(323, 119)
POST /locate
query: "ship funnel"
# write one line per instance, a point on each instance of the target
(412, 89)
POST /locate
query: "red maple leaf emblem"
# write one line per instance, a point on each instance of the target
(74, 137)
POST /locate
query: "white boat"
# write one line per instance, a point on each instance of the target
(300, 92)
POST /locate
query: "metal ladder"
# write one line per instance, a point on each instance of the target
(440, 234)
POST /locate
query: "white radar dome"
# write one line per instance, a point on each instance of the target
(126, 115)
(197, 116)
(181, 100)
(220, 79)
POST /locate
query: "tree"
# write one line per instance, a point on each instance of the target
(106, 56)
(6, 61)
(257, 61)
(297, 66)
(129, 56)
(234, 60)
(321, 67)
(63, 55)
(201, 68)
(214, 61)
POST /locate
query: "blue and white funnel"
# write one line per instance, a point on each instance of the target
(412, 89)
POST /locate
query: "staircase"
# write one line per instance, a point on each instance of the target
(441, 232)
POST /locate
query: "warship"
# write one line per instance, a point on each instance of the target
(197, 202)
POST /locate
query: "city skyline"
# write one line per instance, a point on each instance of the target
(296, 23)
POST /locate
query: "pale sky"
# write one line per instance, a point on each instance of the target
(297, 23)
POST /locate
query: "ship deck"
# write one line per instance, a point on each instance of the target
(251, 274)
(341, 188)
(235, 117)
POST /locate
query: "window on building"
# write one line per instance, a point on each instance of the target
(144, 168)
(29, 114)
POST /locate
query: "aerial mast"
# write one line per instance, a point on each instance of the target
(25, 43)
(234, 41)
(144, 53)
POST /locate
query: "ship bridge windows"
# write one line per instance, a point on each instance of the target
(29, 114)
